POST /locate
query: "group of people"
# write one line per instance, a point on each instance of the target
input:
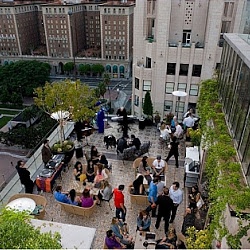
(126, 142)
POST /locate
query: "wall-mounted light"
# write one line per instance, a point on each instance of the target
(179, 3)
(161, 54)
(209, 57)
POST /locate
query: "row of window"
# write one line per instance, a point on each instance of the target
(114, 22)
(196, 71)
(114, 11)
(169, 87)
(115, 57)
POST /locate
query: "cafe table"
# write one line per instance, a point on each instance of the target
(78, 186)
(22, 204)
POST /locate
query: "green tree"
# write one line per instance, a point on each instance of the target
(97, 68)
(68, 67)
(17, 232)
(106, 80)
(148, 106)
(20, 79)
(29, 113)
(102, 88)
(84, 68)
(73, 97)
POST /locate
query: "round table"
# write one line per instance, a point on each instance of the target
(22, 204)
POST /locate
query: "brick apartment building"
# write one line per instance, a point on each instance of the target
(58, 31)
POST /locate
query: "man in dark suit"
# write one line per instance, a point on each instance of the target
(165, 206)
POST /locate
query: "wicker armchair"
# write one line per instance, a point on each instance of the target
(39, 200)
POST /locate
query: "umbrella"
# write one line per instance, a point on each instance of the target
(60, 115)
(179, 93)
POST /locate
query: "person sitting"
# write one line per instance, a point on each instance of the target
(158, 166)
(120, 230)
(100, 175)
(61, 196)
(111, 241)
(86, 199)
(135, 142)
(90, 173)
(189, 221)
(169, 241)
(78, 170)
(143, 221)
(105, 191)
(145, 169)
(103, 160)
(194, 197)
(94, 154)
(121, 145)
(165, 131)
(138, 187)
(73, 198)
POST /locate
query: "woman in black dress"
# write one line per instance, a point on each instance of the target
(78, 170)
(90, 171)
(94, 154)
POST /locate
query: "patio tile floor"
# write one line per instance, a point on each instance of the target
(121, 174)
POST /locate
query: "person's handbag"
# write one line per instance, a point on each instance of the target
(83, 177)
(200, 203)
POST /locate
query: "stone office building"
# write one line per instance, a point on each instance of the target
(178, 43)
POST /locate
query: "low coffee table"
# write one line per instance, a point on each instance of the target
(22, 204)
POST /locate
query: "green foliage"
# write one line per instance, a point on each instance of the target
(65, 146)
(102, 88)
(198, 239)
(84, 68)
(20, 78)
(97, 68)
(68, 67)
(16, 232)
(148, 106)
(195, 136)
(221, 167)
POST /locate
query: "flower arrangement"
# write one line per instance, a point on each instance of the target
(65, 146)
(195, 136)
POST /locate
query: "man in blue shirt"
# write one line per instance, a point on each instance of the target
(59, 196)
(152, 196)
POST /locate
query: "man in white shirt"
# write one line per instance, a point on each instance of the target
(176, 195)
(188, 121)
(158, 166)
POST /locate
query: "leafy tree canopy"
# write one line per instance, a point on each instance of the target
(76, 98)
(84, 68)
(20, 78)
(69, 66)
(17, 232)
(97, 68)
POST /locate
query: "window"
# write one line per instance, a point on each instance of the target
(196, 70)
(186, 37)
(136, 100)
(137, 82)
(182, 87)
(146, 85)
(148, 62)
(194, 90)
(225, 27)
(183, 70)
(180, 106)
(171, 68)
(169, 87)
(168, 105)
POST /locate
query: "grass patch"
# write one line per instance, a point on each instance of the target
(8, 112)
(4, 120)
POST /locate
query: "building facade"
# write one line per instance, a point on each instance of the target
(235, 93)
(178, 43)
(86, 32)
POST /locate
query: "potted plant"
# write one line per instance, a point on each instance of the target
(195, 136)
(168, 118)
(148, 109)
(66, 100)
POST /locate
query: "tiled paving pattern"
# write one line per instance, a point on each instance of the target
(121, 174)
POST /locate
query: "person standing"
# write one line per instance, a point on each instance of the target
(46, 152)
(174, 144)
(165, 207)
(152, 197)
(176, 195)
(24, 175)
(120, 211)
